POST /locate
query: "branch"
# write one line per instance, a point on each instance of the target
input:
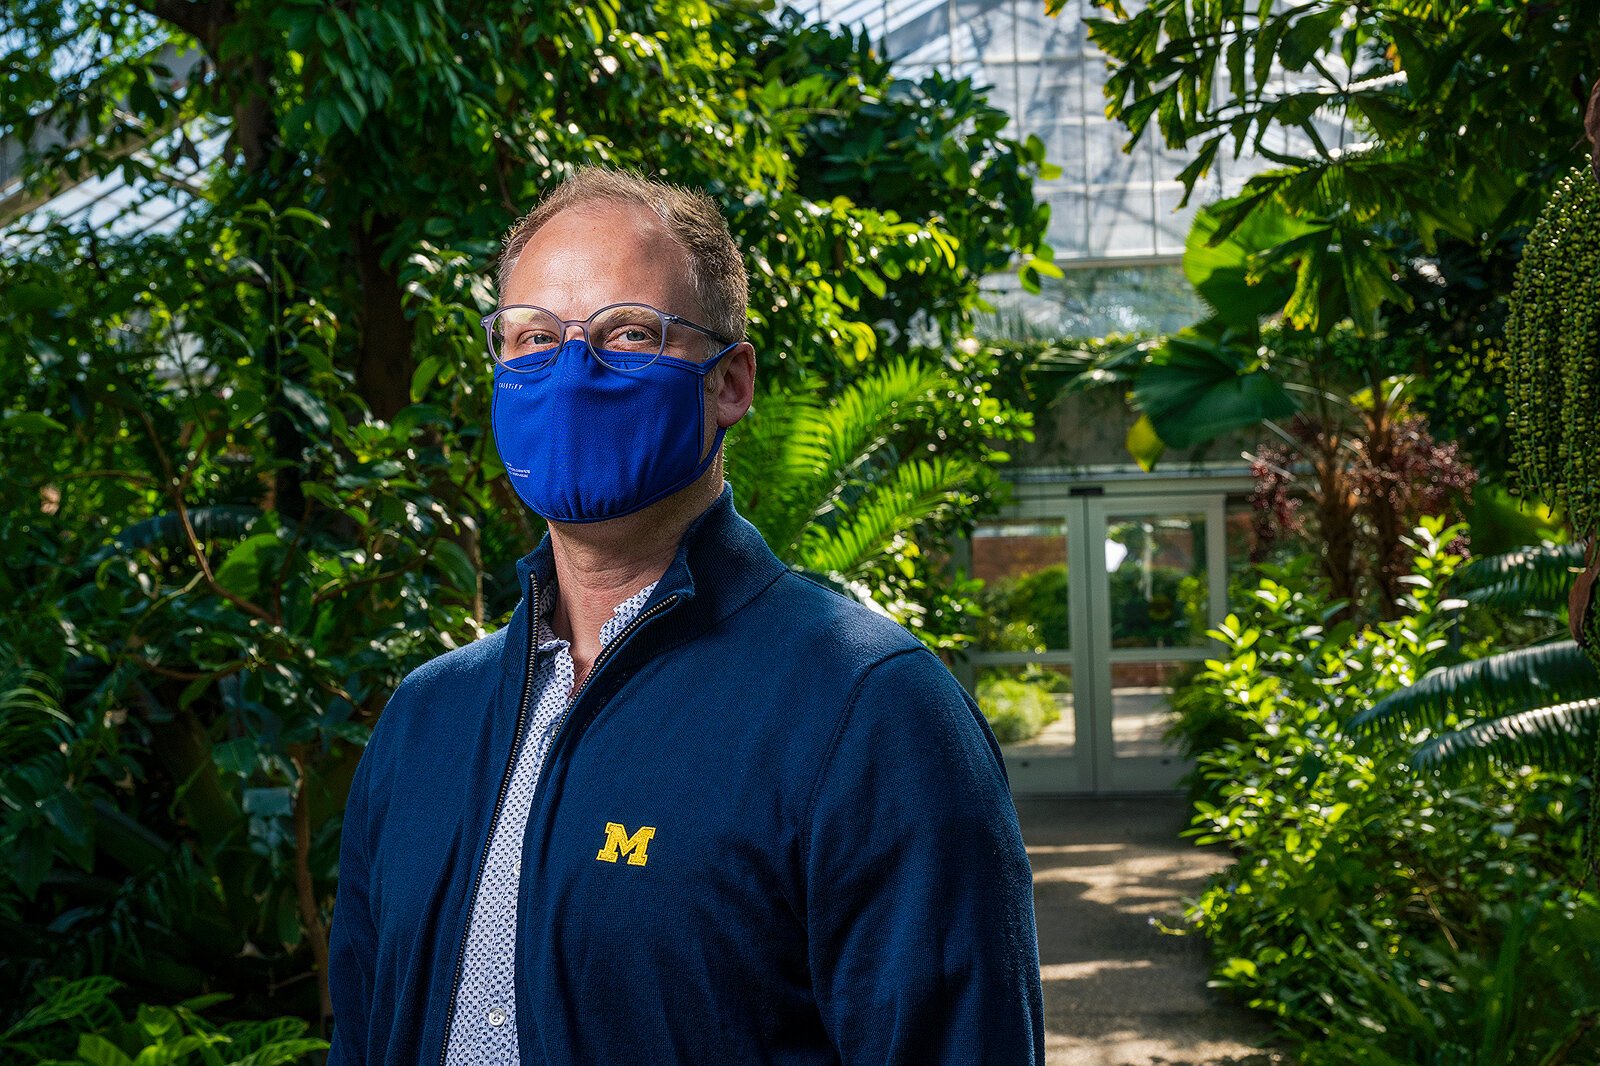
(175, 495)
(335, 588)
(185, 675)
(119, 475)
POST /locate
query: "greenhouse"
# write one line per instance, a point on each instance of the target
(700, 532)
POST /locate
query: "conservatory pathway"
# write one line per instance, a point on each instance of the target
(1118, 992)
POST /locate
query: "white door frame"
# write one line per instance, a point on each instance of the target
(1093, 766)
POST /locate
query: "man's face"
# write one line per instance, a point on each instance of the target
(597, 254)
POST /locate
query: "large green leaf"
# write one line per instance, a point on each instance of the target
(1224, 271)
(1200, 386)
(1532, 578)
(166, 530)
(1145, 444)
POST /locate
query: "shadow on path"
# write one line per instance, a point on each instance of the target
(1117, 991)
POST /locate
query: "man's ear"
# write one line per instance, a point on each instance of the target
(733, 385)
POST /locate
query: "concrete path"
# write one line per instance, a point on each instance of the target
(1118, 992)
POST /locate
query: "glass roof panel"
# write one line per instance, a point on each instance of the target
(1109, 206)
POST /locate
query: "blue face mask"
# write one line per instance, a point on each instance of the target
(582, 442)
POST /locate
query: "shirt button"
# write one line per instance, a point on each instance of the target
(497, 1017)
(516, 867)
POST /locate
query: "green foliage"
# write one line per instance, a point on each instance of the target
(1343, 404)
(1553, 355)
(1366, 907)
(1531, 705)
(1165, 617)
(219, 658)
(1408, 148)
(1035, 602)
(1537, 705)
(76, 1023)
(1558, 735)
(1531, 987)
(1444, 130)
(1017, 708)
(837, 486)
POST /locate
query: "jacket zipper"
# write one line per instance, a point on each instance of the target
(516, 744)
(494, 818)
(594, 671)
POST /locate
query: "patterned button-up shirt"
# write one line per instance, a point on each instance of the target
(484, 1028)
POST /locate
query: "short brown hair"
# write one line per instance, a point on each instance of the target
(691, 217)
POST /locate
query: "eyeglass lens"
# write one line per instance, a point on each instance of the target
(626, 329)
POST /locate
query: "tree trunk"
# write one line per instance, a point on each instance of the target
(384, 362)
(1591, 126)
(1584, 600)
(304, 888)
(1335, 506)
(1382, 507)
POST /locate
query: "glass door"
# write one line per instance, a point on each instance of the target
(1024, 667)
(1098, 605)
(1156, 585)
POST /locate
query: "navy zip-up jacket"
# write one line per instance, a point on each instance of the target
(835, 873)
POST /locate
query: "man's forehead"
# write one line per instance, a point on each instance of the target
(599, 252)
(616, 215)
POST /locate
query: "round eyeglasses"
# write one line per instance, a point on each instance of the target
(624, 337)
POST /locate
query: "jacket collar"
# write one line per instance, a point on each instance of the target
(722, 562)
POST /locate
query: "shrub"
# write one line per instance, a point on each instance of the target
(76, 1022)
(1368, 907)
(1017, 708)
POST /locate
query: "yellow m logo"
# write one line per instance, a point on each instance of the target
(619, 842)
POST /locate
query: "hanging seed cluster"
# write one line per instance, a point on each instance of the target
(1553, 355)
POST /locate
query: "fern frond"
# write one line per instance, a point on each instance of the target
(1560, 737)
(861, 417)
(1532, 578)
(1508, 683)
(803, 457)
(862, 534)
(772, 454)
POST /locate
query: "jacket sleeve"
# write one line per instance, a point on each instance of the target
(352, 938)
(919, 897)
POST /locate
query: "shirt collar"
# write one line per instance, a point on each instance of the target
(621, 615)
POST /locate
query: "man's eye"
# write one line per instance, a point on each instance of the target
(630, 338)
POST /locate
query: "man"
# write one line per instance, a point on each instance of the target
(688, 806)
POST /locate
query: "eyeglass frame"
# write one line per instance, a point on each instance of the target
(667, 317)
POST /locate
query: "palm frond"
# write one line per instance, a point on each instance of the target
(803, 457)
(1511, 682)
(860, 418)
(1532, 578)
(863, 534)
(29, 709)
(772, 453)
(1560, 737)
